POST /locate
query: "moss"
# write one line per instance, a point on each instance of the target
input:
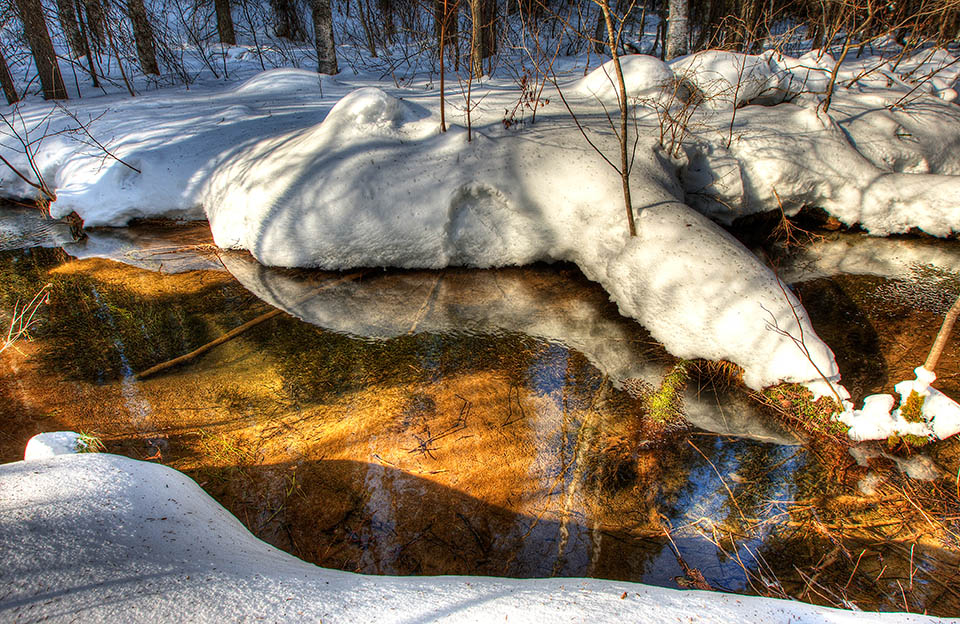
(795, 403)
(665, 405)
(907, 441)
(912, 408)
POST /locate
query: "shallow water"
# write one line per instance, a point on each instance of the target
(488, 422)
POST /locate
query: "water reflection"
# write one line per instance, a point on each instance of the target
(554, 304)
(471, 422)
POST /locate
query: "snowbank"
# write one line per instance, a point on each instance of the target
(375, 185)
(341, 173)
(110, 539)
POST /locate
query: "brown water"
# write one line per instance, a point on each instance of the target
(488, 422)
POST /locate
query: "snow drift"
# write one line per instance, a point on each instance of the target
(110, 539)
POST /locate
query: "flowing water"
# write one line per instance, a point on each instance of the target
(496, 422)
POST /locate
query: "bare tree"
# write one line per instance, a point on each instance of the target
(96, 22)
(34, 26)
(287, 24)
(6, 80)
(71, 28)
(483, 35)
(323, 37)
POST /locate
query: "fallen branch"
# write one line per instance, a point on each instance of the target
(942, 335)
(230, 335)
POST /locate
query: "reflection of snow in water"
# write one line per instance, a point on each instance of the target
(137, 407)
(382, 522)
(704, 502)
(558, 543)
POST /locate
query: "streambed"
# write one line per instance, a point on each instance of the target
(494, 422)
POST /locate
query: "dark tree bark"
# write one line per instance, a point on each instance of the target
(86, 43)
(287, 22)
(225, 22)
(483, 35)
(41, 46)
(387, 15)
(323, 37)
(143, 35)
(363, 13)
(446, 26)
(96, 21)
(6, 80)
(71, 28)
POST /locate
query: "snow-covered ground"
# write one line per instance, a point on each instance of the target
(352, 170)
(104, 538)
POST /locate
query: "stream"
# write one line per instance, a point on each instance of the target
(494, 422)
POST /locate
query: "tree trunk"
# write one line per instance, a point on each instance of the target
(68, 21)
(446, 26)
(288, 24)
(323, 37)
(86, 43)
(143, 34)
(41, 46)
(95, 23)
(6, 80)
(363, 14)
(483, 36)
(489, 22)
(387, 15)
(677, 29)
(599, 32)
(224, 22)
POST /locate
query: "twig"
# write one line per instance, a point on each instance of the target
(733, 498)
(230, 335)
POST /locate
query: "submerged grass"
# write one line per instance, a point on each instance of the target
(100, 332)
(318, 365)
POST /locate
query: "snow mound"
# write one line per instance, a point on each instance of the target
(110, 539)
(46, 445)
(727, 79)
(640, 73)
(280, 81)
(810, 160)
(375, 185)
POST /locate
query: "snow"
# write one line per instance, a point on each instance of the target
(640, 71)
(45, 445)
(342, 172)
(878, 420)
(111, 539)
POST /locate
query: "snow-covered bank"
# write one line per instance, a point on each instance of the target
(338, 173)
(110, 539)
